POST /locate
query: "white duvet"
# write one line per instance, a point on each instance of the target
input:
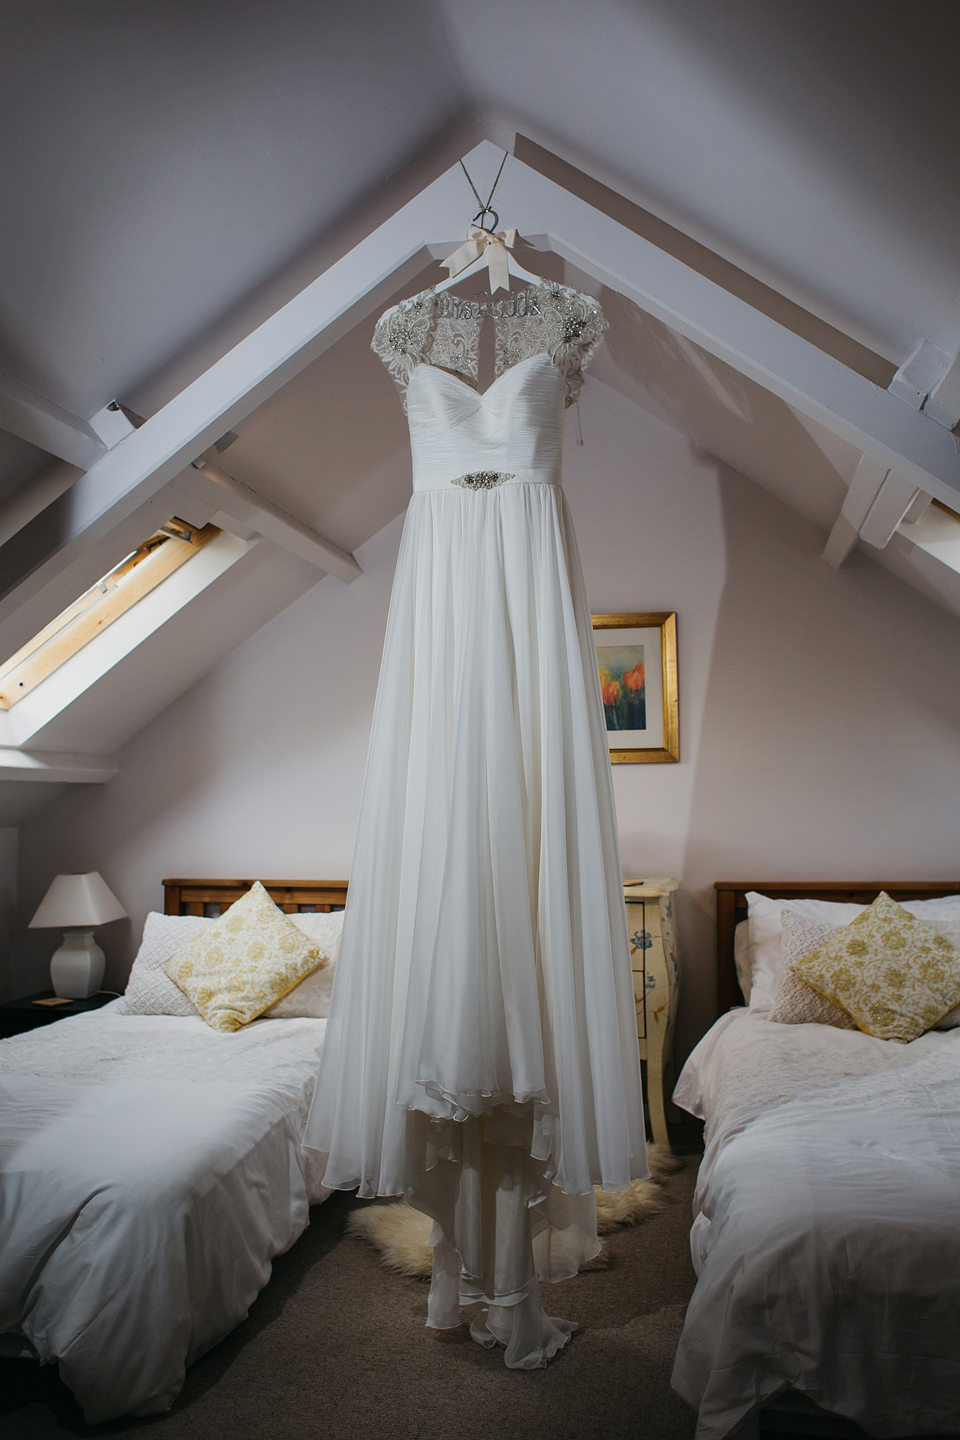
(827, 1229)
(150, 1170)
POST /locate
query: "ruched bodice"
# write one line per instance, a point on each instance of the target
(514, 430)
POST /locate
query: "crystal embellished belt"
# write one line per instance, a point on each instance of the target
(482, 479)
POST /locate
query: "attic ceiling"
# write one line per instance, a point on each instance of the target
(184, 167)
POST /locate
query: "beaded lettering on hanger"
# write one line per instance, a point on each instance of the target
(514, 306)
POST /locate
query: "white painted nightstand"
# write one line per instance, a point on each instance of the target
(655, 958)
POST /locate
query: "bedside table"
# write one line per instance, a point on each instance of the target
(655, 959)
(16, 1016)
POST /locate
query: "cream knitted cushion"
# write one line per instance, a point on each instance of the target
(797, 1003)
(150, 991)
(243, 962)
(896, 975)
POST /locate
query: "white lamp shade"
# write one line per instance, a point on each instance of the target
(77, 900)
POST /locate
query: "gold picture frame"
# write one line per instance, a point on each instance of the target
(664, 748)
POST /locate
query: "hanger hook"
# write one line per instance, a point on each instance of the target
(478, 219)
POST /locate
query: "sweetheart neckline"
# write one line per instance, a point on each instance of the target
(482, 394)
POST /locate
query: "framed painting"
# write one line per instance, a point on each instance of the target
(637, 656)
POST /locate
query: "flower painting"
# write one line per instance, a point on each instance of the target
(623, 684)
(637, 660)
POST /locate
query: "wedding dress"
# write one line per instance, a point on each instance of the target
(481, 1053)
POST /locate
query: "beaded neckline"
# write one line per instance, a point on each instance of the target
(444, 331)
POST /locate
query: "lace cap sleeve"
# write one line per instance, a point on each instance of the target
(402, 336)
(580, 324)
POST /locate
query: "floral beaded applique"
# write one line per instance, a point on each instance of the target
(441, 330)
(482, 479)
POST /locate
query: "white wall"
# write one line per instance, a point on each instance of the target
(9, 975)
(820, 714)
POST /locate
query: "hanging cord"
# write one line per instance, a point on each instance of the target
(485, 209)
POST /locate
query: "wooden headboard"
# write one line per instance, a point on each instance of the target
(212, 897)
(732, 908)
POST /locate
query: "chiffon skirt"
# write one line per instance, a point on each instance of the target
(481, 1053)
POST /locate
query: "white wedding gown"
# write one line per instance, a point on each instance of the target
(481, 1053)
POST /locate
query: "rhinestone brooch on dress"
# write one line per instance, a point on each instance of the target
(483, 479)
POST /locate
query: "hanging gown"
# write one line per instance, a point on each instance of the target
(481, 1053)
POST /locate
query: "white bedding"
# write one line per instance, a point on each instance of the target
(827, 1229)
(150, 1170)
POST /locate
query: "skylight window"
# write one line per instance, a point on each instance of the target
(112, 596)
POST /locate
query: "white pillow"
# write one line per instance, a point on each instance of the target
(742, 958)
(764, 920)
(311, 998)
(944, 916)
(150, 991)
(765, 927)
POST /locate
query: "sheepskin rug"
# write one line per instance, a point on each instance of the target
(400, 1233)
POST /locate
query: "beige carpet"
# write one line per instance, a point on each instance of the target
(335, 1349)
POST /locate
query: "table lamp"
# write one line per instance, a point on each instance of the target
(77, 904)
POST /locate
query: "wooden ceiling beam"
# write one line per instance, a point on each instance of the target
(52, 768)
(273, 522)
(32, 417)
(790, 366)
(817, 384)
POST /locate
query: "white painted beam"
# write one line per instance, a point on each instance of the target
(806, 378)
(54, 768)
(126, 478)
(43, 423)
(943, 405)
(876, 503)
(919, 375)
(840, 542)
(894, 498)
(863, 490)
(133, 471)
(918, 509)
(112, 424)
(277, 524)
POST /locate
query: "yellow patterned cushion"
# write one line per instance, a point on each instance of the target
(893, 973)
(243, 962)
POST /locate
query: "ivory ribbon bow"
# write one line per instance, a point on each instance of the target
(495, 246)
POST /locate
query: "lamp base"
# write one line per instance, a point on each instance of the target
(76, 969)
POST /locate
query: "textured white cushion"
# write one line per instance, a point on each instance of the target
(765, 925)
(311, 998)
(797, 1003)
(150, 991)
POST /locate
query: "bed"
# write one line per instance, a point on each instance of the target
(826, 1232)
(150, 1171)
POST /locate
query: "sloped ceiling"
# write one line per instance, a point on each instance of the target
(170, 157)
(181, 167)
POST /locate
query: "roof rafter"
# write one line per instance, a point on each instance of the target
(277, 524)
(35, 418)
(781, 361)
(907, 442)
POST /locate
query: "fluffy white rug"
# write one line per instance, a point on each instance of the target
(400, 1233)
